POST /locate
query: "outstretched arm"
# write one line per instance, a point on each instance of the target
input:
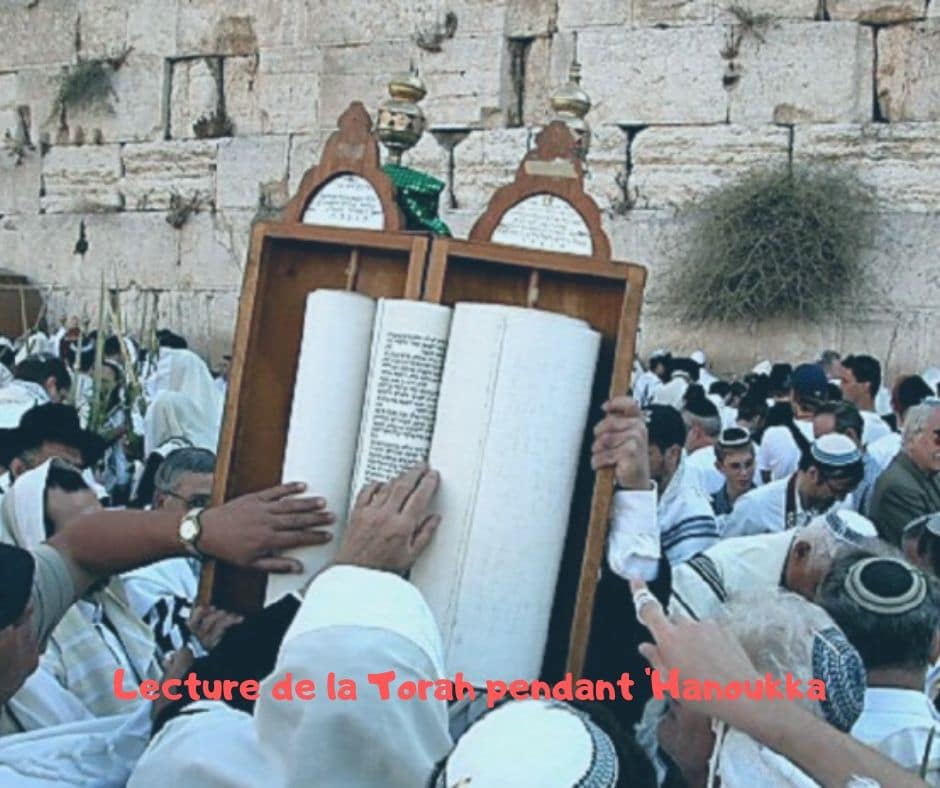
(705, 650)
(250, 531)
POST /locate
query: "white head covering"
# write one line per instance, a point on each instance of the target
(763, 368)
(560, 746)
(175, 418)
(699, 358)
(184, 372)
(931, 376)
(22, 513)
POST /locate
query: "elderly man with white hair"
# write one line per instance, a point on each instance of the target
(910, 486)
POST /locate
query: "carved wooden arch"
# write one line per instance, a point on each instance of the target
(551, 167)
(351, 150)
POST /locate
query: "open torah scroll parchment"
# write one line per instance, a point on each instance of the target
(496, 398)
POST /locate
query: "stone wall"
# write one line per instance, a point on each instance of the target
(686, 93)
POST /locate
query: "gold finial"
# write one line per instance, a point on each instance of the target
(571, 104)
(400, 120)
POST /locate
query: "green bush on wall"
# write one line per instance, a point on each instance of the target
(775, 244)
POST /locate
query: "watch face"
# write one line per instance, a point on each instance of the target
(188, 530)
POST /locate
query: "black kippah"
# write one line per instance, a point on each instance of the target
(16, 568)
(886, 586)
(698, 404)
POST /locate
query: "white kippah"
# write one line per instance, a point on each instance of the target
(532, 742)
(835, 450)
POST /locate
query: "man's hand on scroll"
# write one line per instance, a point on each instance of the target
(389, 525)
(621, 442)
(255, 529)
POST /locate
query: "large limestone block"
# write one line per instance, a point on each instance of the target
(37, 33)
(78, 179)
(464, 81)
(130, 249)
(578, 14)
(213, 249)
(531, 17)
(421, 20)
(155, 171)
(36, 89)
(485, 161)
(431, 154)
(151, 26)
(901, 262)
(900, 162)
(136, 105)
(676, 165)
(195, 94)
(539, 83)
(805, 73)
(305, 150)
(606, 168)
(358, 73)
(672, 12)
(777, 9)
(276, 92)
(649, 75)
(909, 71)
(876, 11)
(249, 167)
(102, 27)
(217, 27)
(19, 182)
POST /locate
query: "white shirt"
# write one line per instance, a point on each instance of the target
(898, 723)
(885, 449)
(778, 452)
(875, 427)
(764, 511)
(701, 463)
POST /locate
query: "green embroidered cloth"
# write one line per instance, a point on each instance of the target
(418, 197)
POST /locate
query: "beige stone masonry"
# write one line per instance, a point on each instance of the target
(154, 172)
(80, 179)
(909, 71)
(676, 166)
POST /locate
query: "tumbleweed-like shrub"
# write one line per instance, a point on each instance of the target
(777, 243)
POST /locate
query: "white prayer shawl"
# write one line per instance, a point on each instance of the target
(644, 388)
(96, 752)
(175, 416)
(686, 521)
(738, 761)
(884, 449)
(671, 393)
(899, 723)
(184, 372)
(5, 375)
(353, 621)
(17, 397)
(732, 569)
(83, 651)
(764, 511)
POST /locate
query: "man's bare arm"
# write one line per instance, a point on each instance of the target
(250, 531)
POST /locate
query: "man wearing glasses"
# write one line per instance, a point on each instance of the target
(163, 593)
(909, 487)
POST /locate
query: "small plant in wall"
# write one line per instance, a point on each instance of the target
(87, 84)
(778, 243)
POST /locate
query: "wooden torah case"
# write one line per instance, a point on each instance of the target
(539, 244)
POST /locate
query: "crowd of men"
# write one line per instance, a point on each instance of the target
(785, 521)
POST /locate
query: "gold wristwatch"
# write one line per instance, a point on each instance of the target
(190, 530)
